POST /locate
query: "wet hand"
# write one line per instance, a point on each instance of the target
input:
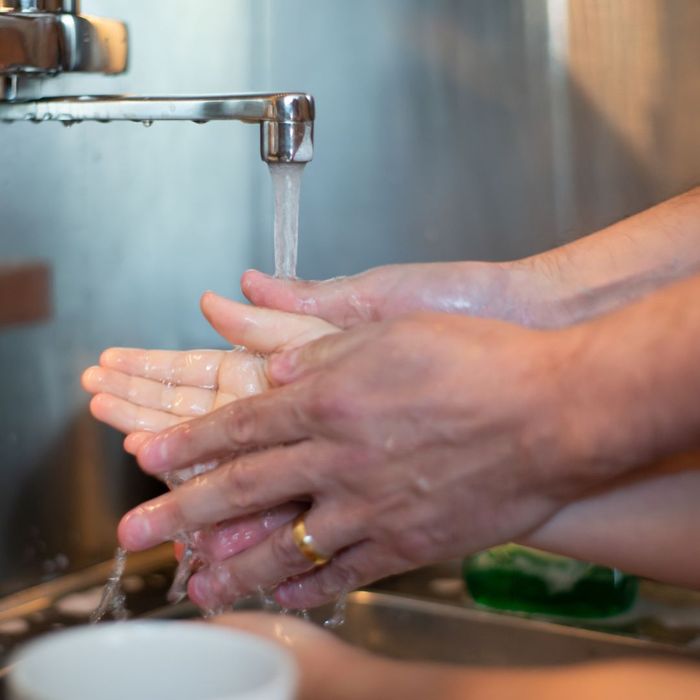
(140, 392)
(412, 441)
(509, 291)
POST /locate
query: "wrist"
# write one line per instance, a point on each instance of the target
(579, 430)
(538, 293)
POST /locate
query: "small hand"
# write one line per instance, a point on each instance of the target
(330, 668)
(141, 392)
(320, 656)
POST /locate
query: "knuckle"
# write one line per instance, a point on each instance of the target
(240, 484)
(330, 402)
(240, 424)
(227, 584)
(416, 545)
(338, 577)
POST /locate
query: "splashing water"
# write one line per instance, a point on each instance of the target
(190, 557)
(338, 617)
(286, 180)
(113, 598)
(286, 183)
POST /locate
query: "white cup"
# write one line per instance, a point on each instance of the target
(151, 660)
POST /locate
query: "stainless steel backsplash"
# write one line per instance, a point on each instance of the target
(449, 129)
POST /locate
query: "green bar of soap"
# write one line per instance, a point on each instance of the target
(518, 578)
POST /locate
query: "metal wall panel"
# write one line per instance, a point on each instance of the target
(447, 129)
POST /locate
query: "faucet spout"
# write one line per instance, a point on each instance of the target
(286, 119)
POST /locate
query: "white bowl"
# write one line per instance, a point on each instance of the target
(151, 660)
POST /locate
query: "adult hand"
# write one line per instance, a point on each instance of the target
(414, 440)
(577, 281)
(508, 291)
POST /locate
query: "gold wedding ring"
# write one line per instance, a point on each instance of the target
(306, 543)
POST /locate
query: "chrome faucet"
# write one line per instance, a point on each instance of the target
(44, 38)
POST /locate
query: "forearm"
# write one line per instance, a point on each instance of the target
(607, 269)
(646, 525)
(629, 383)
(578, 281)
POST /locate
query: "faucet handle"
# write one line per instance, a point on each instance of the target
(42, 38)
(71, 7)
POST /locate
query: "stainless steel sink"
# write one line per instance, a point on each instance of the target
(389, 623)
(416, 629)
(407, 628)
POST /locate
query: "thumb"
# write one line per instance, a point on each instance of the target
(261, 330)
(343, 301)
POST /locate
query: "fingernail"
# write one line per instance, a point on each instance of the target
(93, 376)
(289, 593)
(253, 271)
(154, 454)
(135, 530)
(200, 589)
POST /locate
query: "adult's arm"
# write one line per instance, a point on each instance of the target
(592, 275)
(643, 524)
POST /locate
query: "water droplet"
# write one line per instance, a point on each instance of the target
(338, 617)
(147, 123)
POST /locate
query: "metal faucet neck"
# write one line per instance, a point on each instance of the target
(42, 38)
(68, 6)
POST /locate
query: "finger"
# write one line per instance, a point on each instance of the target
(291, 365)
(127, 417)
(179, 550)
(275, 559)
(259, 329)
(272, 418)
(190, 368)
(253, 483)
(178, 400)
(236, 536)
(344, 301)
(134, 441)
(356, 566)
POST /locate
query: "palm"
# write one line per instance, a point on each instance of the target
(140, 391)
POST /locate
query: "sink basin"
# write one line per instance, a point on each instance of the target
(415, 629)
(407, 628)
(403, 623)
